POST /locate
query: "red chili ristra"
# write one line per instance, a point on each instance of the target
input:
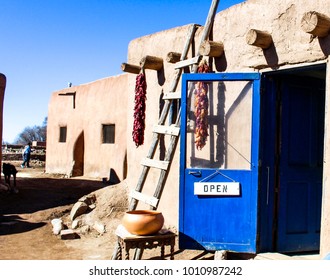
(139, 109)
(201, 104)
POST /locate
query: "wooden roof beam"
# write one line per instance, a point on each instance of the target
(211, 48)
(130, 68)
(173, 57)
(258, 38)
(151, 62)
(316, 24)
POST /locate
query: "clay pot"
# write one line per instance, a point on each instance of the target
(143, 222)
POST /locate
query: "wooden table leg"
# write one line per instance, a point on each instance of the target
(162, 252)
(117, 254)
(138, 253)
(127, 254)
(172, 250)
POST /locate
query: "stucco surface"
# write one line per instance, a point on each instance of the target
(96, 103)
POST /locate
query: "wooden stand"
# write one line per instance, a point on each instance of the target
(259, 38)
(316, 24)
(127, 241)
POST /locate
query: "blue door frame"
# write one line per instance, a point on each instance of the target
(220, 222)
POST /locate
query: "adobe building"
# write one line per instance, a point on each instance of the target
(261, 181)
(2, 96)
(87, 129)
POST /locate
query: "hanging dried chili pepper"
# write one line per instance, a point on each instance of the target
(201, 104)
(139, 109)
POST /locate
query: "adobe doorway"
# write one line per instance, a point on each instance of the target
(293, 109)
(78, 156)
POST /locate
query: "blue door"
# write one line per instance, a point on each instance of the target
(300, 165)
(219, 161)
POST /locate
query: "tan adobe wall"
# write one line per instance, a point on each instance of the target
(292, 46)
(282, 19)
(96, 103)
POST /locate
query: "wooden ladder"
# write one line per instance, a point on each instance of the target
(173, 130)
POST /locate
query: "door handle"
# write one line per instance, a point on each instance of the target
(195, 173)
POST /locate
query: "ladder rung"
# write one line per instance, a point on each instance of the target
(188, 62)
(160, 164)
(169, 130)
(151, 200)
(172, 95)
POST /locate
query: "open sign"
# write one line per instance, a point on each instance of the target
(217, 188)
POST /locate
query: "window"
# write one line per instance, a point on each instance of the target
(108, 133)
(62, 134)
(228, 123)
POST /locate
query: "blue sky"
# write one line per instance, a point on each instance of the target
(44, 44)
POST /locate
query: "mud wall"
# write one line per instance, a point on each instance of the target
(83, 110)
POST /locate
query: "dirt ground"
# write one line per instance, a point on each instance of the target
(25, 219)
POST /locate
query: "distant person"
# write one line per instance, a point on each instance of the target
(26, 156)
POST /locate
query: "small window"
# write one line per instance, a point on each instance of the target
(62, 134)
(108, 131)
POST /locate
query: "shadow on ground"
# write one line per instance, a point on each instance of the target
(37, 194)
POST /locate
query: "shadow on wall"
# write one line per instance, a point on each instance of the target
(325, 45)
(271, 56)
(113, 178)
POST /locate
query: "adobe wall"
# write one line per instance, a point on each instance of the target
(96, 103)
(292, 46)
(2, 95)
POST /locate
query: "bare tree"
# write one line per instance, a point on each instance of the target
(35, 133)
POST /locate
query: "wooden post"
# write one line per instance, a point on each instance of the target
(135, 69)
(211, 48)
(259, 38)
(173, 57)
(151, 62)
(316, 24)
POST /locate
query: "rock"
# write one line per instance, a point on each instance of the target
(76, 223)
(68, 234)
(85, 229)
(78, 209)
(57, 226)
(99, 227)
(92, 206)
(220, 255)
(88, 219)
(88, 199)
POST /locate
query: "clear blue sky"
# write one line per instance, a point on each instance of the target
(44, 44)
